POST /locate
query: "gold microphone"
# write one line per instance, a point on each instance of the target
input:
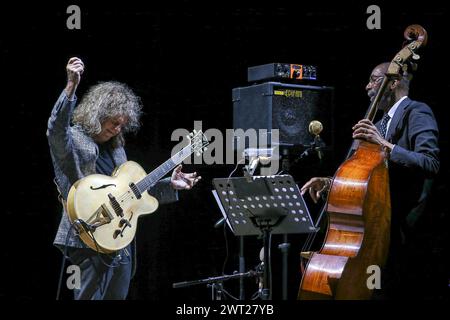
(315, 128)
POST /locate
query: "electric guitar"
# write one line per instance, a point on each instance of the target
(105, 209)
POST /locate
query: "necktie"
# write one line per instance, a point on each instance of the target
(383, 125)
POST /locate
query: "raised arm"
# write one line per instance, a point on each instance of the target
(74, 68)
(59, 121)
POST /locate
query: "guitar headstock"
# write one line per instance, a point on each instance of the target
(198, 142)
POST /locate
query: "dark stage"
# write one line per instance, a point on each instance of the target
(183, 60)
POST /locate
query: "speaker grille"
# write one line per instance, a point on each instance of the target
(287, 107)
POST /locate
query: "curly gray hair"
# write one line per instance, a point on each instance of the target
(108, 100)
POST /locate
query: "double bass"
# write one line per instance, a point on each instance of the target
(358, 207)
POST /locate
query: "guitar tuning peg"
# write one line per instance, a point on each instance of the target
(416, 56)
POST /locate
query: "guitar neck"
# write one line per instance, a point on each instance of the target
(154, 176)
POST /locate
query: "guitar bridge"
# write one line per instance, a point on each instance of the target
(115, 205)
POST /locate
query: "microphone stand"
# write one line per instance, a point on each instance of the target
(315, 146)
(241, 268)
(284, 248)
(218, 224)
(314, 128)
(216, 282)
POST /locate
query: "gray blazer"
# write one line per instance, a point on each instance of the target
(74, 155)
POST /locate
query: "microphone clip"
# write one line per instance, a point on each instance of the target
(316, 147)
(256, 157)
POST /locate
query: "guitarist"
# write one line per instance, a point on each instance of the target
(95, 144)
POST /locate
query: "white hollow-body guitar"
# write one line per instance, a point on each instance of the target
(105, 209)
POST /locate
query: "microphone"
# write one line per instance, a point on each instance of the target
(315, 128)
(252, 165)
(256, 157)
(264, 160)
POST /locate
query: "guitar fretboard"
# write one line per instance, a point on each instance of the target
(154, 176)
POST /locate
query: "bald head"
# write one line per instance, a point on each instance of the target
(398, 88)
(382, 67)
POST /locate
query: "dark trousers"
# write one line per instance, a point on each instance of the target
(98, 280)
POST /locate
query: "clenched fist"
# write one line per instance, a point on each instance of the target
(74, 69)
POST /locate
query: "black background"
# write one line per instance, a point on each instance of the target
(183, 59)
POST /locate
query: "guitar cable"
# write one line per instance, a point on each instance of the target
(68, 236)
(63, 263)
(227, 220)
(118, 263)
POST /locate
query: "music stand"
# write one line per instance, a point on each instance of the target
(263, 205)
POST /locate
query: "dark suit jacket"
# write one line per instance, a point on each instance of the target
(413, 163)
